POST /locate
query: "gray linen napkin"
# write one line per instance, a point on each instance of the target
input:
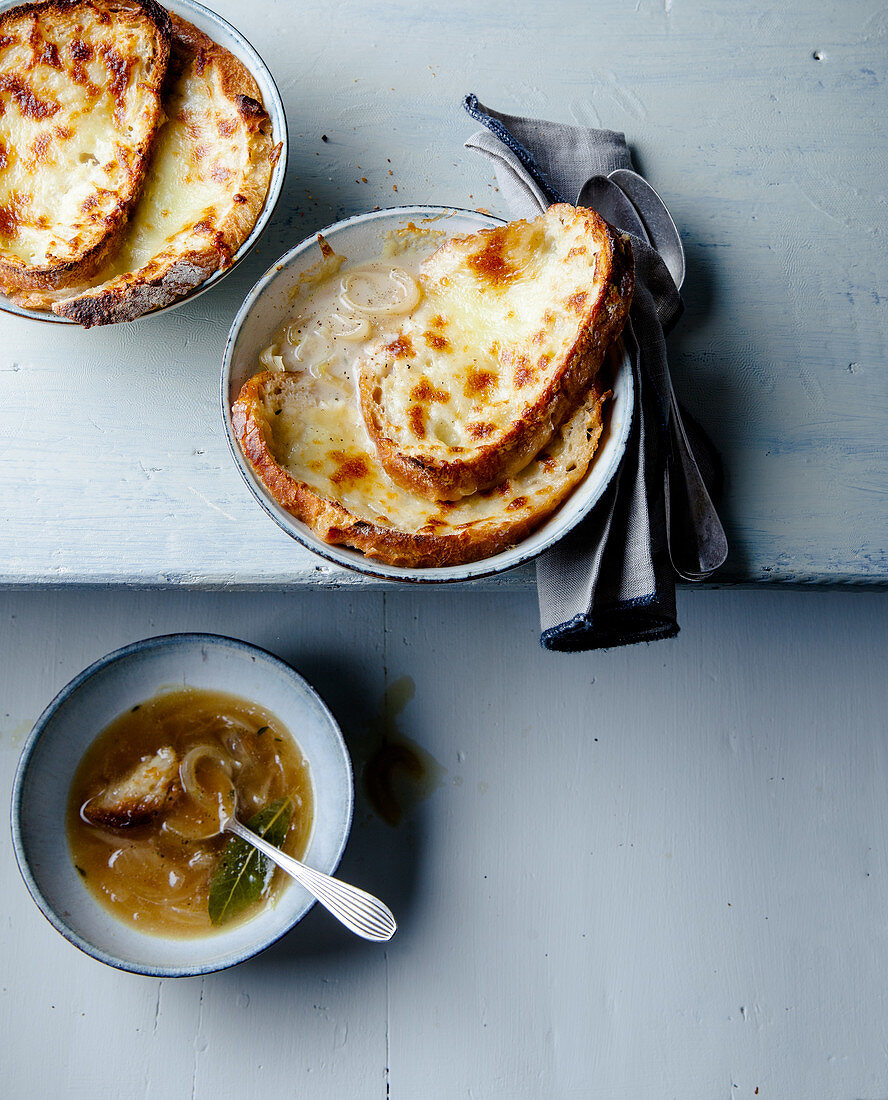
(610, 581)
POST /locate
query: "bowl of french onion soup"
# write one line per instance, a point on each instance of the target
(427, 394)
(126, 777)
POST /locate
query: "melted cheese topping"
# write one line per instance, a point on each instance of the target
(200, 159)
(317, 430)
(494, 322)
(76, 105)
(318, 436)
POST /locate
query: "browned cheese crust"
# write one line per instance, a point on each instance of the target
(192, 47)
(210, 243)
(39, 92)
(599, 321)
(445, 540)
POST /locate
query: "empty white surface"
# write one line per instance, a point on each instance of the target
(762, 126)
(652, 873)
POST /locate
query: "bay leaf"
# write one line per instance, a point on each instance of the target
(242, 872)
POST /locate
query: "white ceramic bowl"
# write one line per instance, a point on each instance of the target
(85, 707)
(225, 35)
(267, 306)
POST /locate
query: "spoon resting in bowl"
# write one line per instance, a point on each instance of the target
(359, 911)
(207, 785)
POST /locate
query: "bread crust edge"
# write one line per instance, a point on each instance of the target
(337, 526)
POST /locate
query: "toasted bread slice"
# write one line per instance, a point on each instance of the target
(80, 89)
(307, 444)
(137, 797)
(513, 325)
(206, 187)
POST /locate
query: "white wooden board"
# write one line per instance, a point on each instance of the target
(762, 124)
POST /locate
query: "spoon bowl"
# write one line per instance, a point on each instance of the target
(661, 230)
(609, 200)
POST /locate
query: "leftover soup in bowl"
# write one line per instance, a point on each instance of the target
(150, 796)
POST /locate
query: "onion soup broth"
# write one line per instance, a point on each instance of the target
(146, 801)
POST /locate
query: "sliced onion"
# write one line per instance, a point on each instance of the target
(234, 743)
(212, 806)
(145, 874)
(256, 786)
(188, 773)
(314, 345)
(350, 328)
(236, 724)
(184, 919)
(203, 859)
(404, 288)
(271, 359)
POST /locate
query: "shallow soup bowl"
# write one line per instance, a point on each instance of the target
(360, 239)
(83, 709)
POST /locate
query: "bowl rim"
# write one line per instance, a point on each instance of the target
(229, 33)
(160, 641)
(454, 574)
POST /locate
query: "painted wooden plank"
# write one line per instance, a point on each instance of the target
(761, 125)
(657, 872)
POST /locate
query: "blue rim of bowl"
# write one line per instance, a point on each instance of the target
(272, 198)
(371, 569)
(18, 845)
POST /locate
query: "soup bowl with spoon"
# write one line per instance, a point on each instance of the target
(89, 704)
(216, 799)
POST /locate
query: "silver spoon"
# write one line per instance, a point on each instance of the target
(702, 547)
(661, 229)
(359, 911)
(613, 204)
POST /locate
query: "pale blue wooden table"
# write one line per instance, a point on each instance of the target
(655, 873)
(763, 126)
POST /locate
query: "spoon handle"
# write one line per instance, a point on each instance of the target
(697, 542)
(364, 914)
(695, 537)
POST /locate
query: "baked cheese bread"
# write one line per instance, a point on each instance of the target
(305, 439)
(80, 103)
(513, 325)
(206, 186)
(139, 796)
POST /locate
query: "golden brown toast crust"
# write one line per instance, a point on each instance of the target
(600, 321)
(211, 243)
(137, 797)
(104, 213)
(455, 545)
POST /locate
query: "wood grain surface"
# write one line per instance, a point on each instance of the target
(658, 873)
(762, 125)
